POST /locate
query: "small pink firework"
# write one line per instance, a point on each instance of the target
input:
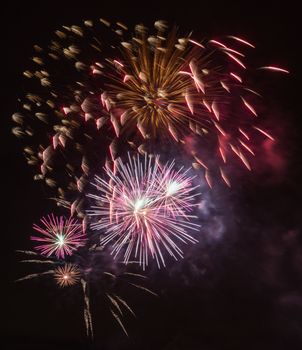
(60, 236)
(67, 275)
(144, 207)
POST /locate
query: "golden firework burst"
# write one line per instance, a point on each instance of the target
(67, 275)
(159, 82)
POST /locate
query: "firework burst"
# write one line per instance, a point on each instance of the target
(156, 86)
(144, 207)
(67, 275)
(59, 236)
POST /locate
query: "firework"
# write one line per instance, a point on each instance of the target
(59, 236)
(72, 273)
(144, 207)
(156, 86)
(176, 192)
(67, 275)
(96, 92)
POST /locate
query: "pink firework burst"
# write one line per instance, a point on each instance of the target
(59, 236)
(143, 208)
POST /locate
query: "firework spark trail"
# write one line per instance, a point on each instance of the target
(87, 311)
(60, 236)
(35, 275)
(69, 274)
(35, 261)
(143, 207)
(38, 261)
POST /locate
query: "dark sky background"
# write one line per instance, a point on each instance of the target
(241, 289)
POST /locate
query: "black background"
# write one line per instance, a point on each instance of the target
(246, 293)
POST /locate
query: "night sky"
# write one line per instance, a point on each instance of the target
(239, 289)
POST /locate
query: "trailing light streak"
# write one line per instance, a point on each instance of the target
(264, 133)
(242, 41)
(276, 69)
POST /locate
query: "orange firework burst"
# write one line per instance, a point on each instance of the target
(153, 89)
(67, 275)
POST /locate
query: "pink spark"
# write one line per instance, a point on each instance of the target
(141, 129)
(127, 77)
(112, 150)
(100, 122)
(245, 161)
(234, 149)
(115, 125)
(224, 85)
(224, 177)
(96, 71)
(87, 116)
(246, 147)
(253, 92)
(274, 68)
(103, 98)
(198, 83)
(217, 43)
(118, 62)
(123, 118)
(244, 133)
(222, 153)
(43, 169)
(173, 133)
(264, 133)
(200, 162)
(249, 107)
(219, 128)
(208, 179)
(242, 41)
(189, 102)
(185, 73)
(206, 104)
(234, 51)
(215, 110)
(196, 43)
(62, 140)
(66, 110)
(237, 77)
(241, 156)
(237, 60)
(55, 141)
